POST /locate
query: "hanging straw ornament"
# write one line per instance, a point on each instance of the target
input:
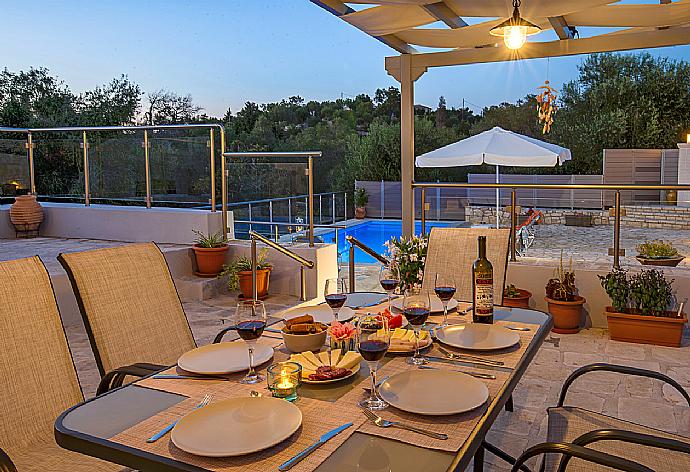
(546, 106)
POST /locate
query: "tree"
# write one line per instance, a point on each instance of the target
(116, 103)
(441, 116)
(170, 108)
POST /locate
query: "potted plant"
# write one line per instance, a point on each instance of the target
(239, 274)
(640, 308)
(658, 253)
(209, 251)
(407, 257)
(361, 200)
(565, 305)
(516, 297)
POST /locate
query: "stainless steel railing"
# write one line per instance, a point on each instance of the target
(283, 250)
(212, 127)
(356, 243)
(277, 224)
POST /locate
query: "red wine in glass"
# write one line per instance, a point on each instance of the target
(388, 284)
(373, 350)
(416, 316)
(250, 330)
(444, 293)
(336, 300)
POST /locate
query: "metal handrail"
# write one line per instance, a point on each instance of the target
(618, 188)
(310, 155)
(354, 242)
(30, 144)
(303, 263)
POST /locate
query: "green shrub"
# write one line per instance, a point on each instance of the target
(657, 249)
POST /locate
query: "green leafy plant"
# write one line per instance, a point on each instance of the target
(651, 293)
(511, 291)
(243, 264)
(617, 287)
(210, 240)
(562, 287)
(407, 257)
(657, 249)
(361, 197)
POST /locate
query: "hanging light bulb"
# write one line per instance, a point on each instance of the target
(515, 29)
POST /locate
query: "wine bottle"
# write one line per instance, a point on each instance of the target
(482, 286)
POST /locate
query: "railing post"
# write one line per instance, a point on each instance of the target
(320, 216)
(223, 183)
(250, 216)
(213, 171)
(255, 295)
(513, 225)
(147, 165)
(333, 201)
(345, 210)
(311, 201)
(270, 211)
(351, 268)
(87, 194)
(383, 199)
(30, 154)
(289, 210)
(277, 233)
(617, 231)
(438, 203)
(302, 284)
(423, 202)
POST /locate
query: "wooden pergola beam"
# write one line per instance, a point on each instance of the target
(560, 26)
(570, 47)
(338, 8)
(444, 13)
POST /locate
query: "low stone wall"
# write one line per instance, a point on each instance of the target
(636, 216)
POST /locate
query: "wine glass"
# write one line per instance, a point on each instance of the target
(445, 289)
(250, 321)
(373, 341)
(335, 295)
(388, 279)
(416, 308)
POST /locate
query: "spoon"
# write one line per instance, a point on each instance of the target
(518, 328)
(255, 394)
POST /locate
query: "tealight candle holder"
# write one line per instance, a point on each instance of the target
(284, 378)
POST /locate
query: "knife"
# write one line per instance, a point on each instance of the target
(287, 465)
(462, 362)
(186, 377)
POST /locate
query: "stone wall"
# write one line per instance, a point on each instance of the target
(636, 216)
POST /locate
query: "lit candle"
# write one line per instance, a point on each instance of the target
(283, 379)
(688, 138)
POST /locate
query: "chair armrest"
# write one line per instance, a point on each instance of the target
(571, 450)
(621, 369)
(116, 377)
(222, 332)
(6, 464)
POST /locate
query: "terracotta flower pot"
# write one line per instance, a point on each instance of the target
(360, 212)
(566, 315)
(209, 260)
(262, 279)
(644, 329)
(26, 214)
(521, 301)
(667, 262)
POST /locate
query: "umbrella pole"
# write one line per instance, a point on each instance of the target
(498, 197)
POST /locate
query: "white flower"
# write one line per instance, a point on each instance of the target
(413, 257)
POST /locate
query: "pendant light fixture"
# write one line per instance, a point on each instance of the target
(515, 29)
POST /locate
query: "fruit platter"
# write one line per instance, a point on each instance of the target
(402, 340)
(394, 321)
(327, 366)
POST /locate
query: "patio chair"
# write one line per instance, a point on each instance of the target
(587, 441)
(131, 310)
(39, 380)
(452, 251)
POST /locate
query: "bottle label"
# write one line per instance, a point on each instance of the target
(484, 296)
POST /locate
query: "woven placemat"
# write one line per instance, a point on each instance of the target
(318, 418)
(457, 427)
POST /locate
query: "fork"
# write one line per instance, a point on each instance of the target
(206, 400)
(452, 355)
(381, 423)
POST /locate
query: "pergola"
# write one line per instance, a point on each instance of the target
(440, 28)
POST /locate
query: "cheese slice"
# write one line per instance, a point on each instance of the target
(307, 373)
(409, 336)
(335, 356)
(423, 335)
(301, 360)
(398, 333)
(350, 360)
(325, 358)
(380, 333)
(311, 357)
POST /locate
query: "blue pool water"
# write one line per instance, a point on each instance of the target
(373, 234)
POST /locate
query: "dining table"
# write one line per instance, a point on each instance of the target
(101, 426)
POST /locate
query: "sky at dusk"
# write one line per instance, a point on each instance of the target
(227, 52)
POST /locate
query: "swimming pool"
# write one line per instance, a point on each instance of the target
(373, 233)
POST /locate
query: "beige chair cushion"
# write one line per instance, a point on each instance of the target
(568, 423)
(37, 377)
(452, 251)
(129, 304)
(49, 457)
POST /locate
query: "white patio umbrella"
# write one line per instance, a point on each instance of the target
(498, 147)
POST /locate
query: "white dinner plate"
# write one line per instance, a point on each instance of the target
(436, 303)
(477, 336)
(321, 313)
(223, 358)
(355, 369)
(237, 426)
(434, 392)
